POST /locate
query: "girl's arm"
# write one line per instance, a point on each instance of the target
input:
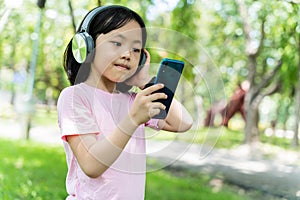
(178, 118)
(95, 156)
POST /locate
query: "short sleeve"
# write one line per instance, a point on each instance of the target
(75, 115)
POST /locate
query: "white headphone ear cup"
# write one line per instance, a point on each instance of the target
(82, 45)
(79, 47)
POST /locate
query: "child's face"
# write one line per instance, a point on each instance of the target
(118, 52)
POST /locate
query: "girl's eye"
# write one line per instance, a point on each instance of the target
(118, 44)
(136, 50)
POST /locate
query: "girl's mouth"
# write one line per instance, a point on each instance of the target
(121, 66)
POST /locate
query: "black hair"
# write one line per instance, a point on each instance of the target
(109, 19)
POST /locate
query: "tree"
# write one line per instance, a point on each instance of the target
(253, 40)
(297, 88)
(261, 84)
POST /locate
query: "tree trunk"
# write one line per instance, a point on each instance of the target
(198, 109)
(252, 118)
(295, 142)
(251, 108)
(251, 127)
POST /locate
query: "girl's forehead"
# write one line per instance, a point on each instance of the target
(131, 27)
(130, 31)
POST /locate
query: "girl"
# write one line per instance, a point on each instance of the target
(103, 128)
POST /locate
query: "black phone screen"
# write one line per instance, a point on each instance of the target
(169, 74)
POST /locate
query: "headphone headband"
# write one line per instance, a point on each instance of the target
(92, 14)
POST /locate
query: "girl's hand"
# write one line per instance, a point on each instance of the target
(144, 107)
(142, 77)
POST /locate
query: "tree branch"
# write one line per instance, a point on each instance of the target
(247, 29)
(246, 25)
(72, 15)
(271, 89)
(262, 32)
(267, 79)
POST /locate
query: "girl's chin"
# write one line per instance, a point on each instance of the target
(120, 80)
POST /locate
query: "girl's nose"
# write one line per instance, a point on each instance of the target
(126, 54)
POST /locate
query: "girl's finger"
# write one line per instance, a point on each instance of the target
(152, 89)
(153, 112)
(158, 105)
(156, 96)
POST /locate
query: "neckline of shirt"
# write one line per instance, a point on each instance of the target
(100, 90)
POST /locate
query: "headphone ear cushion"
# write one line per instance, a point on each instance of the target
(89, 42)
(90, 48)
(143, 59)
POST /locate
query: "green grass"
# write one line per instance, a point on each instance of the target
(218, 137)
(284, 143)
(32, 170)
(179, 185)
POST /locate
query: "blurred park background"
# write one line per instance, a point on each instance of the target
(226, 44)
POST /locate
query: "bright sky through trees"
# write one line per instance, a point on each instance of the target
(160, 7)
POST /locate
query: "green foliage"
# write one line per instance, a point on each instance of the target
(186, 15)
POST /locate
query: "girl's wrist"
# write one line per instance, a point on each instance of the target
(128, 125)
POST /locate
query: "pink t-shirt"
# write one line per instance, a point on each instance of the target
(84, 109)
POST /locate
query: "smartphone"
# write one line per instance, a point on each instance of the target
(169, 74)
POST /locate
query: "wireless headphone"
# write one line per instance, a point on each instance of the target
(83, 43)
